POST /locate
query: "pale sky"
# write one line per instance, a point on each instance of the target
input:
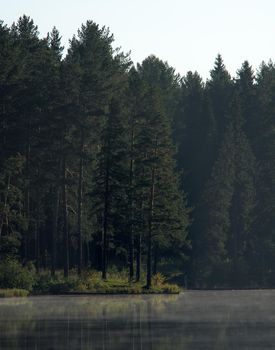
(186, 33)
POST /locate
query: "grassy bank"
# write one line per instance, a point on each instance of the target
(13, 292)
(16, 280)
(92, 283)
(119, 283)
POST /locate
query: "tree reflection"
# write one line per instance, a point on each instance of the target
(185, 322)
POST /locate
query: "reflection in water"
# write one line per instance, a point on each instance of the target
(191, 321)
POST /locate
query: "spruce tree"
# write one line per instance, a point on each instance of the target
(219, 89)
(229, 201)
(264, 262)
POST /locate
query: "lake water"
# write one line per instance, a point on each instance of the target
(189, 321)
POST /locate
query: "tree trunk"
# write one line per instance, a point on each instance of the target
(131, 236)
(27, 194)
(55, 219)
(54, 231)
(155, 261)
(3, 214)
(79, 207)
(65, 220)
(138, 257)
(37, 236)
(88, 254)
(138, 247)
(105, 225)
(150, 221)
(236, 229)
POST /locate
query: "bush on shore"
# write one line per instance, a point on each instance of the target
(13, 292)
(15, 277)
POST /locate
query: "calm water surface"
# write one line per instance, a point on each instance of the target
(191, 321)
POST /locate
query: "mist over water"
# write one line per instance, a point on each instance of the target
(192, 320)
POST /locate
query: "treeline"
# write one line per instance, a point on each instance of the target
(225, 132)
(106, 163)
(87, 160)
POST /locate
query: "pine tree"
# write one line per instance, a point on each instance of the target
(110, 180)
(191, 134)
(12, 221)
(156, 182)
(96, 71)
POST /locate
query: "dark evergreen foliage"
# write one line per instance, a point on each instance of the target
(104, 163)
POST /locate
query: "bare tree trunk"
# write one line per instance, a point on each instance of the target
(131, 236)
(27, 196)
(138, 247)
(65, 220)
(149, 242)
(236, 229)
(79, 207)
(150, 222)
(3, 214)
(37, 235)
(105, 224)
(138, 257)
(155, 261)
(88, 255)
(105, 231)
(54, 231)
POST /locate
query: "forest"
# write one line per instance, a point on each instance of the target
(107, 165)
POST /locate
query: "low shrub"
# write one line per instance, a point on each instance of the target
(43, 283)
(158, 279)
(46, 284)
(63, 286)
(91, 282)
(14, 275)
(170, 288)
(8, 293)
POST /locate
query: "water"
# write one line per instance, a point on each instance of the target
(189, 321)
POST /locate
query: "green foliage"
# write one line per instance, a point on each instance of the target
(121, 153)
(8, 293)
(158, 279)
(229, 202)
(91, 282)
(10, 245)
(13, 275)
(46, 284)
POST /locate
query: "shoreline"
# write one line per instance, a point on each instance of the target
(14, 293)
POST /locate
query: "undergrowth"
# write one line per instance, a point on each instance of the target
(18, 281)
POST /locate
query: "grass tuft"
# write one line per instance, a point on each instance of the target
(13, 292)
(118, 283)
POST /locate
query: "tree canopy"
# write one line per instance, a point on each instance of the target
(109, 164)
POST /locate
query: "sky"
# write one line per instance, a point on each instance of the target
(188, 34)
